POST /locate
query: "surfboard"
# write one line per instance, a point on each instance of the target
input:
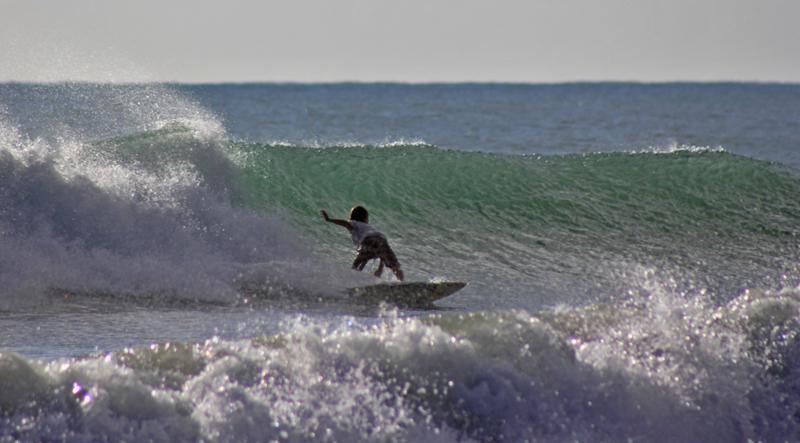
(406, 294)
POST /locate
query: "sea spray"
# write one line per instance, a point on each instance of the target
(499, 376)
(145, 215)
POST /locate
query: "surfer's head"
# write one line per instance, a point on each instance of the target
(359, 213)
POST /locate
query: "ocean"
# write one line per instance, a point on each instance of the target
(631, 253)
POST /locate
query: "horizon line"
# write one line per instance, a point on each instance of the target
(399, 82)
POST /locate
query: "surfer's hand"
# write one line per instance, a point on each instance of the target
(324, 215)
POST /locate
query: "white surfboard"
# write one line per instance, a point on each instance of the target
(407, 294)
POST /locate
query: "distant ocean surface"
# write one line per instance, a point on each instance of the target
(632, 253)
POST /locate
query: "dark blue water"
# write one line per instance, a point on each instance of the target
(757, 120)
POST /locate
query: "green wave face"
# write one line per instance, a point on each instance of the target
(722, 219)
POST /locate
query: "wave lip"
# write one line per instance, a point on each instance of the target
(675, 147)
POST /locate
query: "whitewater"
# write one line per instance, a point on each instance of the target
(631, 252)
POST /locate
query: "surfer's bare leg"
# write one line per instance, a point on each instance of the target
(359, 263)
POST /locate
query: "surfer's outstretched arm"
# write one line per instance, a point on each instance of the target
(343, 223)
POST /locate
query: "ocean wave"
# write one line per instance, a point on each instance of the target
(148, 214)
(516, 217)
(482, 376)
(673, 272)
(538, 221)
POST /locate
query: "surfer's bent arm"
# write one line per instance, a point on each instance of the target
(343, 223)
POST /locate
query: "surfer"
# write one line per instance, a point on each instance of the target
(370, 242)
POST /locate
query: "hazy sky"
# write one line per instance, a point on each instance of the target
(399, 40)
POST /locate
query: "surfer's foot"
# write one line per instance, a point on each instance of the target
(399, 274)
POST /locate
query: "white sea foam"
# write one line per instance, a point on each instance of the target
(674, 147)
(599, 373)
(149, 213)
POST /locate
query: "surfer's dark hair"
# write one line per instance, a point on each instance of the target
(359, 213)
